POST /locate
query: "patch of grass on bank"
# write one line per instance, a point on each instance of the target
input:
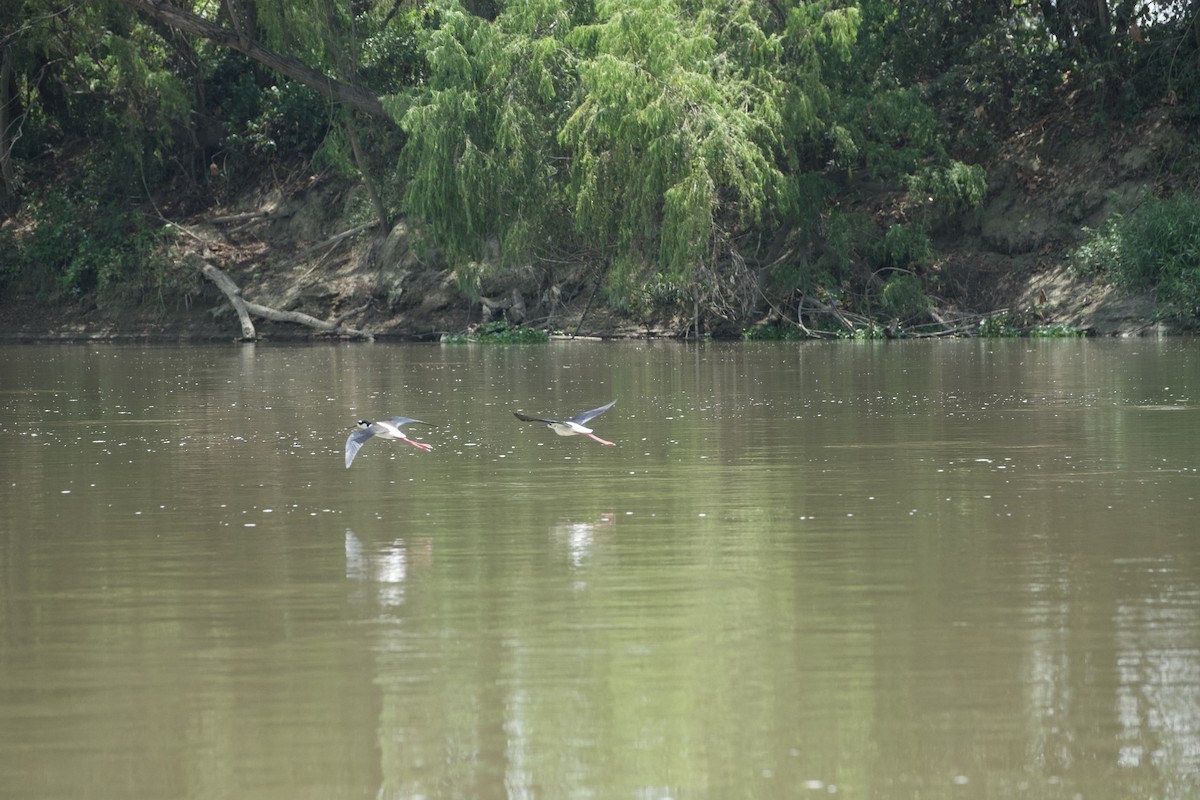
(1155, 247)
(499, 332)
(1008, 325)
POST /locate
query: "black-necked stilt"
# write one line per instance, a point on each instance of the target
(575, 426)
(385, 429)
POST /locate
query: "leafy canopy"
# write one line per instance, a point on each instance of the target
(652, 131)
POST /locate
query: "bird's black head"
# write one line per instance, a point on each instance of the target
(364, 423)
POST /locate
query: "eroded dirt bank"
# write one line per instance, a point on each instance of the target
(292, 246)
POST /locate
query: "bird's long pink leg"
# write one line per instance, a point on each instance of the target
(421, 445)
(601, 441)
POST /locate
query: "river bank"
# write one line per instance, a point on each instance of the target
(297, 246)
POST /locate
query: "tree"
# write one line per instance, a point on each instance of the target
(484, 169)
(238, 37)
(659, 133)
(673, 142)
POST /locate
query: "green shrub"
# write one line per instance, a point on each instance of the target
(870, 331)
(904, 245)
(1100, 252)
(892, 128)
(499, 332)
(1161, 250)
(283, 118)
(49, 253)
(951, 190)
(79, 247)
(999, 326)
(1157, 247)
(847, 235)
(1058, 331)
(903, 297)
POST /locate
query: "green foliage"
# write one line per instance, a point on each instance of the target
(116, 94)
(1100, 252)
(390, 58)
(1057, 331)
(951, 190)
(869, 332)
(499, 332)
(847, 236)
(1155, 247)
(893, 129)
(667, 142)
(903, 246)
(233, 95)
(999, 326)
(79, 247)
(978, 65)
(289, 119)
(284, 118)
(653, 134)
(482, 163)
(53, 254)
(818, 41)
(670, 132)
(94, 74)
(1164, 66)
(1006, 72)
(1160, 249)
(1010, 324)
(903, 297)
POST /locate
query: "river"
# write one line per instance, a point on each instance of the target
(964, 569)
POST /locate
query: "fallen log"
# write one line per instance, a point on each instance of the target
(245, 309)
(811, 305)
(511, 308)
(232, 292)
(247, 215)
(300, 318)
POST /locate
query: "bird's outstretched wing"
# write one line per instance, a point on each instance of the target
(354, 443)
(581, 419)
(398, 421)
(525, 418)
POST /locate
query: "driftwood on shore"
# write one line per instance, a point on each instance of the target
(231, 291)
(512, 308)
(246, 309)
(813, 309)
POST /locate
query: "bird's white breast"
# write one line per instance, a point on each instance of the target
(389, 431)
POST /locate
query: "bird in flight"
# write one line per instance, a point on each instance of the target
(385, 429)
(575, 426)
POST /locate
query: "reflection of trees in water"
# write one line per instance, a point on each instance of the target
(386, 566)
(578, 539)
(1158, 695)
(1120, 681)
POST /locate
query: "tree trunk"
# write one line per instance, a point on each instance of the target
(368, 175)
(1196, 22)
(353, 96)
(8, 187)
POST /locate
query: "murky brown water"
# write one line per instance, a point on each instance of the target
(895, 570)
